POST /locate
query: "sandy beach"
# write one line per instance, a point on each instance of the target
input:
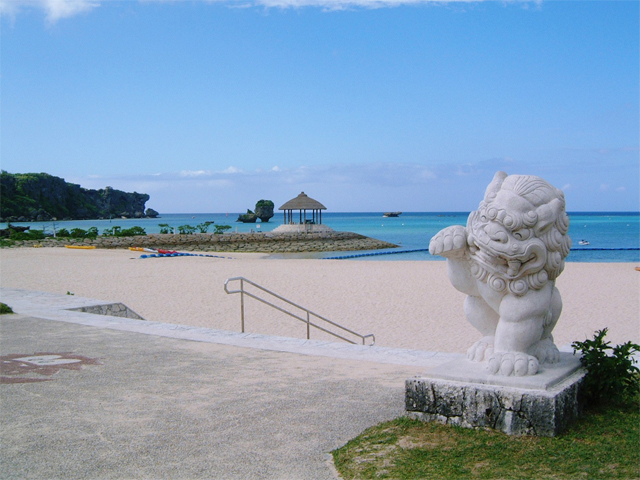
(406, 304)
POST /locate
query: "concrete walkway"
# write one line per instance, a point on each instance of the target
(94, 396)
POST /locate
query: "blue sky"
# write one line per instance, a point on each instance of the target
(209, 106)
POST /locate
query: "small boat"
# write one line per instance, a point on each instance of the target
(584, 242)
(392, 214)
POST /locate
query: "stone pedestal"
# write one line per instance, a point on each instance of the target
(463, 393)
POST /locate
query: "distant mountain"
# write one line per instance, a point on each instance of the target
(26, 197)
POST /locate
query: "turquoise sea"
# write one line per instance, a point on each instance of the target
(612, 236)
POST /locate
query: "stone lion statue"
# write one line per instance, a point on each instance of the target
(506, 260)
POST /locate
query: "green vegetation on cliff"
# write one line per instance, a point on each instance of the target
(28, 197)
(264, 211)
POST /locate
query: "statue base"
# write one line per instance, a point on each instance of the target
(463, 393)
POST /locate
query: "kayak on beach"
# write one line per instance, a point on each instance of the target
(142, 249)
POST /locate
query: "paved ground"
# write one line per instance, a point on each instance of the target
(127, 398)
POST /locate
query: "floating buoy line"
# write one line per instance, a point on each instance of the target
(375, 254)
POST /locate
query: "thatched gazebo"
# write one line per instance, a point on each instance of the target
(302, 203)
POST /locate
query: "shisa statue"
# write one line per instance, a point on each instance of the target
(506, 260)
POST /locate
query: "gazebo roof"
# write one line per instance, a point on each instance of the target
(302, 202)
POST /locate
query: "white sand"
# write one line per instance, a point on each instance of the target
(405, 304)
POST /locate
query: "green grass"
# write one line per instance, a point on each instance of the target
(603, 444)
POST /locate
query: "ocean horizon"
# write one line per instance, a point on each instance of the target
(611, 236)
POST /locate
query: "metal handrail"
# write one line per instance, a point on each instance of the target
(306, 320)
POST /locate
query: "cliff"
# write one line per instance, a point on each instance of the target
(28, 197)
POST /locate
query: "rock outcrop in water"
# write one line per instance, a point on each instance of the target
(264, 210)
(248, 217)
(28, 197)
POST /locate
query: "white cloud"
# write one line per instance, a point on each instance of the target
(621, 189)
(375, 175)
(341, 187)
(194, 173)
(54, 9)
(335, 4)
(58, 9)
(491, 165)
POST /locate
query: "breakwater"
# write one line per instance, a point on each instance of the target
(269, 242)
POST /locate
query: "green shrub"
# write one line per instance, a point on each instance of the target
(203, 227)
(36, 235)
(186, 229)
(111, 232)
(221, 229)
(612, 377)
(132, 232)
(127, 232)
(27, 235)
(81, 233)
(4, 309)
(165, 228)
(77, 233)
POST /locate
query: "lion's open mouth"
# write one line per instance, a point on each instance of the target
(510, 267)
(491, 259)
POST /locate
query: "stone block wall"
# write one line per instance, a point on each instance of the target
(111, 309)
(269, 242)
(514, 411)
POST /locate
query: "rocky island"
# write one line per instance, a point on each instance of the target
(264, 212)
(29, 197)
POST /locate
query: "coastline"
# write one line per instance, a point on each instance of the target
(613, 236)
(405, 304)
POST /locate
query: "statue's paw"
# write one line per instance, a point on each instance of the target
(513, 363)
(546, 351)
(481, 350)
(449, 242)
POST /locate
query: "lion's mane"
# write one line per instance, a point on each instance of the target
(547, 220)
